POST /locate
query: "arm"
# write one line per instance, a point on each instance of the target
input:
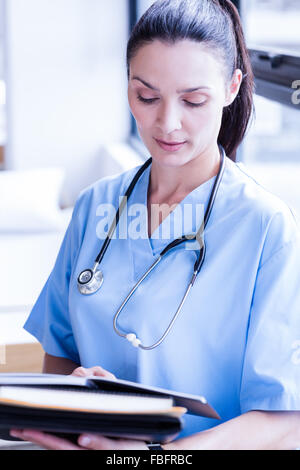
(61, 365)
(255, 430)
(58, 365)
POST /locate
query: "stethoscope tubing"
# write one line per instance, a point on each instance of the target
(120, 211)
(137, 285)
(83, 287)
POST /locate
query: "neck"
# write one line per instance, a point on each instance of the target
(173, 184)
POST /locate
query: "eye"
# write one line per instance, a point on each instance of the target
(146, 100)
(194, 105)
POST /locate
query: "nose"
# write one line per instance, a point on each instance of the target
(169, 118)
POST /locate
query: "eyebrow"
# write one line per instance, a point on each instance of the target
(188, 90)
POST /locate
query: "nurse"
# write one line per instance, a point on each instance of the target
(236, 340)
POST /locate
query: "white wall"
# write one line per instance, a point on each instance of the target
(2, 12)
(66, 83)
(143, 5)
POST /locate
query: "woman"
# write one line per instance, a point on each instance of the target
(190, 91)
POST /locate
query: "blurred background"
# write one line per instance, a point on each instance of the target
(65, 122)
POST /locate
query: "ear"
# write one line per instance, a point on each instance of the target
(234, 87)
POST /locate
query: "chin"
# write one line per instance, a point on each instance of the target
(173, 160)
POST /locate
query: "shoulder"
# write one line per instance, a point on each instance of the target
(104, 193)
(261, 210)
(106, 190)
(248, 193)
(251, 191)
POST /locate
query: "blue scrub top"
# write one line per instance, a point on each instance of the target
(237, 339)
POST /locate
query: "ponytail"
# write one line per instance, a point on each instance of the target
(236, 117)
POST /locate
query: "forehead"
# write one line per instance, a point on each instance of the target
(183, 64)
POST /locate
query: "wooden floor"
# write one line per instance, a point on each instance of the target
(1, 155)
(21, 358)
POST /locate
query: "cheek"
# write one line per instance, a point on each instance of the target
(142, 115)
(204, 122)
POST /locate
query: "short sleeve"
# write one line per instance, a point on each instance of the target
(49, 320)
(271, 371)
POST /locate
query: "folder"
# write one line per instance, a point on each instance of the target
(69, 406)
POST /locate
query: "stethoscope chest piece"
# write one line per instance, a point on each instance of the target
(89, 281)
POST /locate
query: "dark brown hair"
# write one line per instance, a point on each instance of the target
(217, 24)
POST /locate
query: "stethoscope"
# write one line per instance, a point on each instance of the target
(90, 280)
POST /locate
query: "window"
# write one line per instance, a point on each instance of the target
(143, 5)
(272, 146)
(272, 24)
(273, 39)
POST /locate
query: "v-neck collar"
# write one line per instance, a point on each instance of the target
(185, 219)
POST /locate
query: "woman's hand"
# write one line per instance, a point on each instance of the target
(51, 442)
(97, 371)
(85, 442)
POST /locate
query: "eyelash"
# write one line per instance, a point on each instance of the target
(152, 100)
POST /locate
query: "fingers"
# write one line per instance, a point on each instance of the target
(85, 441)
(44, 440)
(96, 371)
(95, 442)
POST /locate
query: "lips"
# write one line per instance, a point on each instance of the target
(170, 146)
